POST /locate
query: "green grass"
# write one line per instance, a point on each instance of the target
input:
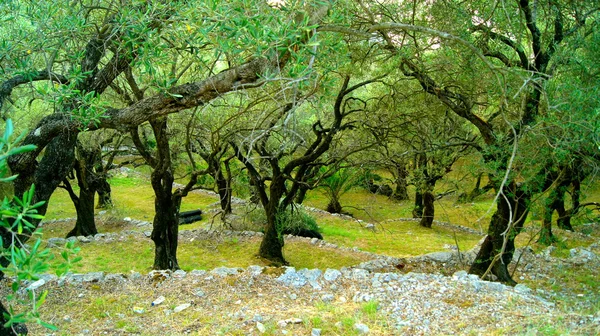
(132, 197)
(117, 257)
(398, 238)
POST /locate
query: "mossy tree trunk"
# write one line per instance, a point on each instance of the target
(401, 192)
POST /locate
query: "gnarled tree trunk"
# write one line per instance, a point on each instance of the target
(418, 208)
(271, 247)
(428, 209)
(401, 192)
(507, 222)
(165, 226)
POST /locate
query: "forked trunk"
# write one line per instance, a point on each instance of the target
(514, 211)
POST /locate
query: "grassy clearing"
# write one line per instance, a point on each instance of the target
(204, 254)
(398, 238)
(132, 197)
(376, 208)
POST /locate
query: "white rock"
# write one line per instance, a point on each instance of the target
(361, 328)
(261, 327)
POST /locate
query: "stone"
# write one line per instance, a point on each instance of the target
(261, 327)
(35, 285)
(198, 273)
(459, 275)
(520, 288)
(292, 278)
(331, 274)
(361, 328)
(255, 270)
(118, 277)
(159, 275)
(494, 286)
(293, 320)
(179, 274)
(74, 278)
(84, 239)
(440, 256)
(225, 271)
(148, 234)
(281, 324)
(257, 318)
(327, 298)
(359, 274)
(312, 276)
(370, 227)
(315, 332)
(135, 275)
(56, 242)
(127, 219)
(93, 277)
(199, 292)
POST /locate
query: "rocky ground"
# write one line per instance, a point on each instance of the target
(430, 294)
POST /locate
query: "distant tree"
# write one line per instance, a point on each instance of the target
(458, 49)
(289, 161)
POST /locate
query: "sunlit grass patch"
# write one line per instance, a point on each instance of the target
(398, 238)
(138, 255)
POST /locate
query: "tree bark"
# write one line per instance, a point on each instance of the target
(85, 224)
(512, 212)
(88, 181)
(271, 247)
(302, 190)
(418, 208)
(165, 226)
(334, 206)
(104, 195)
(428, 209)
(564, 216)
(224, 190)
(401, 192)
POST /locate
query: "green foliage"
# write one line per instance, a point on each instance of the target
(24, 262)
(289, 220)
(296, 219)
